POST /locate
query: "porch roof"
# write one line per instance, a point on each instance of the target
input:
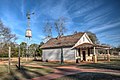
(89, 45)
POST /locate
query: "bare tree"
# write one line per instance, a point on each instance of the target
(60, 26)
(5, 34)
(5, 37)
(48, 31)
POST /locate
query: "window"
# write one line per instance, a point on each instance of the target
(83, 39)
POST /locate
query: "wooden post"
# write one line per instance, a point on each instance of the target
(27, 50)
(94, 56)
(19, 58)
(62, 61)
(94, 51)
(76, 56)
(108, 56)
(9, 61)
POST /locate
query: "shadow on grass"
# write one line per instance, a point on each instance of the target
(26, 73)
(66, 70)
(89, 76)
(11, 74)
(14, 74)
(100, 66)
(56, 64)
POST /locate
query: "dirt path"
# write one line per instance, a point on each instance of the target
(67, 70)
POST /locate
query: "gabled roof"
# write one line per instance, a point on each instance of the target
(82, 40)
(64, 41)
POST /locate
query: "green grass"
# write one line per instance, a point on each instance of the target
(113, 65)
(50, 64)
(26, 72)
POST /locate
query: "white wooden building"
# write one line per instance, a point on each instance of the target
(70, 48)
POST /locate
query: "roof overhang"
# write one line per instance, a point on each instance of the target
(90, 45)
(84, 45)
(57, 47)
(98, 46)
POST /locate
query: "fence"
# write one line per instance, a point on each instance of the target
(103, 57)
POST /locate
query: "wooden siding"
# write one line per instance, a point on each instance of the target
(55, 54)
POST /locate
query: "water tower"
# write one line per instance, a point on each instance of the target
(28, 33)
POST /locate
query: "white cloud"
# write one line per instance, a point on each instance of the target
(105, 27)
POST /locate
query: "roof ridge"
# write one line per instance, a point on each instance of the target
(68, 40)
(70, 35)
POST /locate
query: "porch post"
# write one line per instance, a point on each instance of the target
(76, 59)
(94, 51)
(94, 56)
(108, 55)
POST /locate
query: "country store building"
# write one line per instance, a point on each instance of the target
(71, 48)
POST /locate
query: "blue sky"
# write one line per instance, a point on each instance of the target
(101, 17)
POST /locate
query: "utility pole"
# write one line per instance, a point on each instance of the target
(19, 58)
(9, 61)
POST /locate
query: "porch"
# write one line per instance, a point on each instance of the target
(88, 52)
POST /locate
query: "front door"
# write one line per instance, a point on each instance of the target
(84, 57)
